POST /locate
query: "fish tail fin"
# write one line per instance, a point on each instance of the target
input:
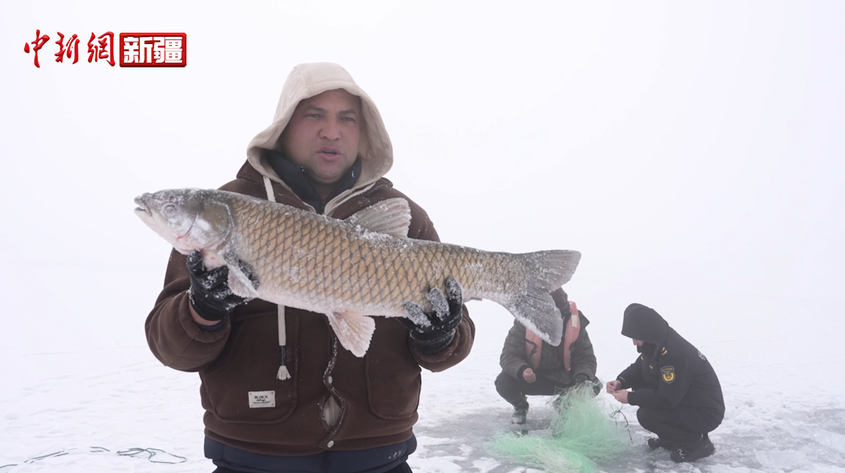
(535, 308)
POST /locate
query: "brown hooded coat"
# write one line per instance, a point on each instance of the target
(373, 399)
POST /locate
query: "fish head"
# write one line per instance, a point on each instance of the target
(189, 219)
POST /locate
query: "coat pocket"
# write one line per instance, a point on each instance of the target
(241, 386)
(393, 377)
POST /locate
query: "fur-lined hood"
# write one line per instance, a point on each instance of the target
(308, 80)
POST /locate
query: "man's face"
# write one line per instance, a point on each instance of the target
(638, 343)
(322, 137)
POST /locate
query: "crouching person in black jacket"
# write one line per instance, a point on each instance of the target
(678, 393)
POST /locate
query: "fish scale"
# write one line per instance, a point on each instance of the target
(350, 270)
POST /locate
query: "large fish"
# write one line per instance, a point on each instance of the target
(351, 269)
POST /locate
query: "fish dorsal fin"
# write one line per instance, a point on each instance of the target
(353, 330)
(390, 216)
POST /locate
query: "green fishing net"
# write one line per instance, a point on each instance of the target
(582, 436)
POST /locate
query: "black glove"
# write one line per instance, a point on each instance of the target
(434, 331)
(582, 378)
(210, 293)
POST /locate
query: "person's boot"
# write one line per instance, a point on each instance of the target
(520, 411)
(656, 442)
(694, 451)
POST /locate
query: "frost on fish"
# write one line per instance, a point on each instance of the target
(350, 270)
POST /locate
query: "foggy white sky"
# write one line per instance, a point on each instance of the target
(692, 153)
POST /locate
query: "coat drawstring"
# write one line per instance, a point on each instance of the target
(283, 372)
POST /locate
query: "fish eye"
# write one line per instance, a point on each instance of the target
(168, 210)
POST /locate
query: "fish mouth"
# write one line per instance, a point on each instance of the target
(142, 207)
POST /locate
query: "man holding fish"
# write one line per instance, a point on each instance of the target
(280, 394)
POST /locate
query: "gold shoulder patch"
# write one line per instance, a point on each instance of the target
(668, 374)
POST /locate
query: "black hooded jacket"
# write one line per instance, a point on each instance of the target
(670, 372)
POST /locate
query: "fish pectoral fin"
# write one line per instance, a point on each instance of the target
(390, 216)
(353, 330)
(240, 283)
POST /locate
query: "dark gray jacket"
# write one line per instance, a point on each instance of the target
(514, 358)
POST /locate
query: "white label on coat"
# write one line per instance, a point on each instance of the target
(259, 399)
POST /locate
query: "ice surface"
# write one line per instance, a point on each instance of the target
(76, 406)
(781, 459)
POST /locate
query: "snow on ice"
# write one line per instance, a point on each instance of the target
(110, 406)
